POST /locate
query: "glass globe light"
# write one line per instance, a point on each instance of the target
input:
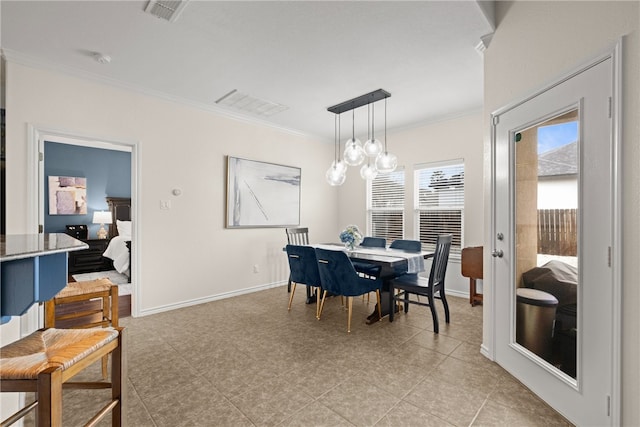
(336, 175)
(353, 152)
(340, 165)
(368, 172)
(386, 162)
(372, 147)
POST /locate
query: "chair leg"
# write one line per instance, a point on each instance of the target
(324, 295)
(392, 302)
(406, 301)
(49, 409)
(349, 312)
(49, 313)
(293, 291)
(446, 305)
(289, 284)
(378, 303)
(434, 313)
(118, 375)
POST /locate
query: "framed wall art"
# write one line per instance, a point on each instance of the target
(262, 194)
(67, 195)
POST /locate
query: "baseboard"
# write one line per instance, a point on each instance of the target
(196, 301)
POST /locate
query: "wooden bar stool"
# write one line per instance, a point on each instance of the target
(103, 316)
(46, 360)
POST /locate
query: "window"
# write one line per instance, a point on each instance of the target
(385, 206)
(439, 202)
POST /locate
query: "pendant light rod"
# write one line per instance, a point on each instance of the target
(385, 126)
(353, 125)
(359, 101)
(335, 138)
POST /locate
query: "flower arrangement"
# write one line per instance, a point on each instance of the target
(351, 236)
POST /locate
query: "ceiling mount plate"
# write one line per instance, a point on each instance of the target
(359, 101)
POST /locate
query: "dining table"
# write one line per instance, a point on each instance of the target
(394, 262)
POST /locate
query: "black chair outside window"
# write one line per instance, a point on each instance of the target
(432, 288)
(304, 270)
(340, 278)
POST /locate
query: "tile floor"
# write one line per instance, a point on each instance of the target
(247, 361)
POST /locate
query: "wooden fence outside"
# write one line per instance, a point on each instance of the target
(558, 232)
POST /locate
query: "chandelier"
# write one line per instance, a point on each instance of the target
(379, 160)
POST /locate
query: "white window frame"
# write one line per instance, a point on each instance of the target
(432, 166)
(400, 208)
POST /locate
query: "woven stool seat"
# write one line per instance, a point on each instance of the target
(86, 287)
(46, 362)
(50, 348)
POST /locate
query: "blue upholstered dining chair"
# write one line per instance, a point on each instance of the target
(340, 278)
(303, 268)
(364, 267)
(432, 288)
(406, 245)
(374, 242)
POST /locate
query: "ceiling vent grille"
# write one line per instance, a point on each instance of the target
(249, 104)
(164, 9)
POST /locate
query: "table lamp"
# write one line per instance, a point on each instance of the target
(102, 218)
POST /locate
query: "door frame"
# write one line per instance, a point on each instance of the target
(489, 345)
(35, 186)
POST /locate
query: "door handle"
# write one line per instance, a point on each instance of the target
(497, 253)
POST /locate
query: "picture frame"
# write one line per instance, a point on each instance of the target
(67, 195)
(261, 194)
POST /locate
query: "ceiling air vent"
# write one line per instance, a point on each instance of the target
(249, 104)
(167, 10)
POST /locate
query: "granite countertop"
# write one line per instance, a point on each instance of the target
(20, 246)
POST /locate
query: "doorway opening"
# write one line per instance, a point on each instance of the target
(86, 154)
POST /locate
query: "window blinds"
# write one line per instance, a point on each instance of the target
(439, 202)
(385, 205)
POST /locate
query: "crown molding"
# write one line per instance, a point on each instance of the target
(20, 58)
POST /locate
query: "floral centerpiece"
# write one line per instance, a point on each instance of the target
(351, 236)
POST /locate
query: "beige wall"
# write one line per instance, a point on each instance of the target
(536, 43)
(185, 253)
(456, 138)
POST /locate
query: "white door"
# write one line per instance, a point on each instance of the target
(554, 223)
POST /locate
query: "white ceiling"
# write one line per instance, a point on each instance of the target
(305, 55)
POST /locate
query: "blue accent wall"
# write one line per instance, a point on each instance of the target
(108, 173)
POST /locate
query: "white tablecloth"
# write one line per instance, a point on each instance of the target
(415, 261)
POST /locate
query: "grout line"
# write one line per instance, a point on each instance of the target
(478, 411)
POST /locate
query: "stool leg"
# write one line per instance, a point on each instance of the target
(49, 409)
(118, 375)
(114, 306)
(50, 313)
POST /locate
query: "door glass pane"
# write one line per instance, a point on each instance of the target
(546, 269)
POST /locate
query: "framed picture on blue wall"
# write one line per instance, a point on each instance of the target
(262, 194)
(67, 195)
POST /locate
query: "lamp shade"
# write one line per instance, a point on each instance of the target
(102, 217)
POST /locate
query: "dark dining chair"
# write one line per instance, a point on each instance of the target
(406, 245)
(374, 242)
(296, 236)
(303, 268)
(367, 268)
(340, 278)
(432, 288)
